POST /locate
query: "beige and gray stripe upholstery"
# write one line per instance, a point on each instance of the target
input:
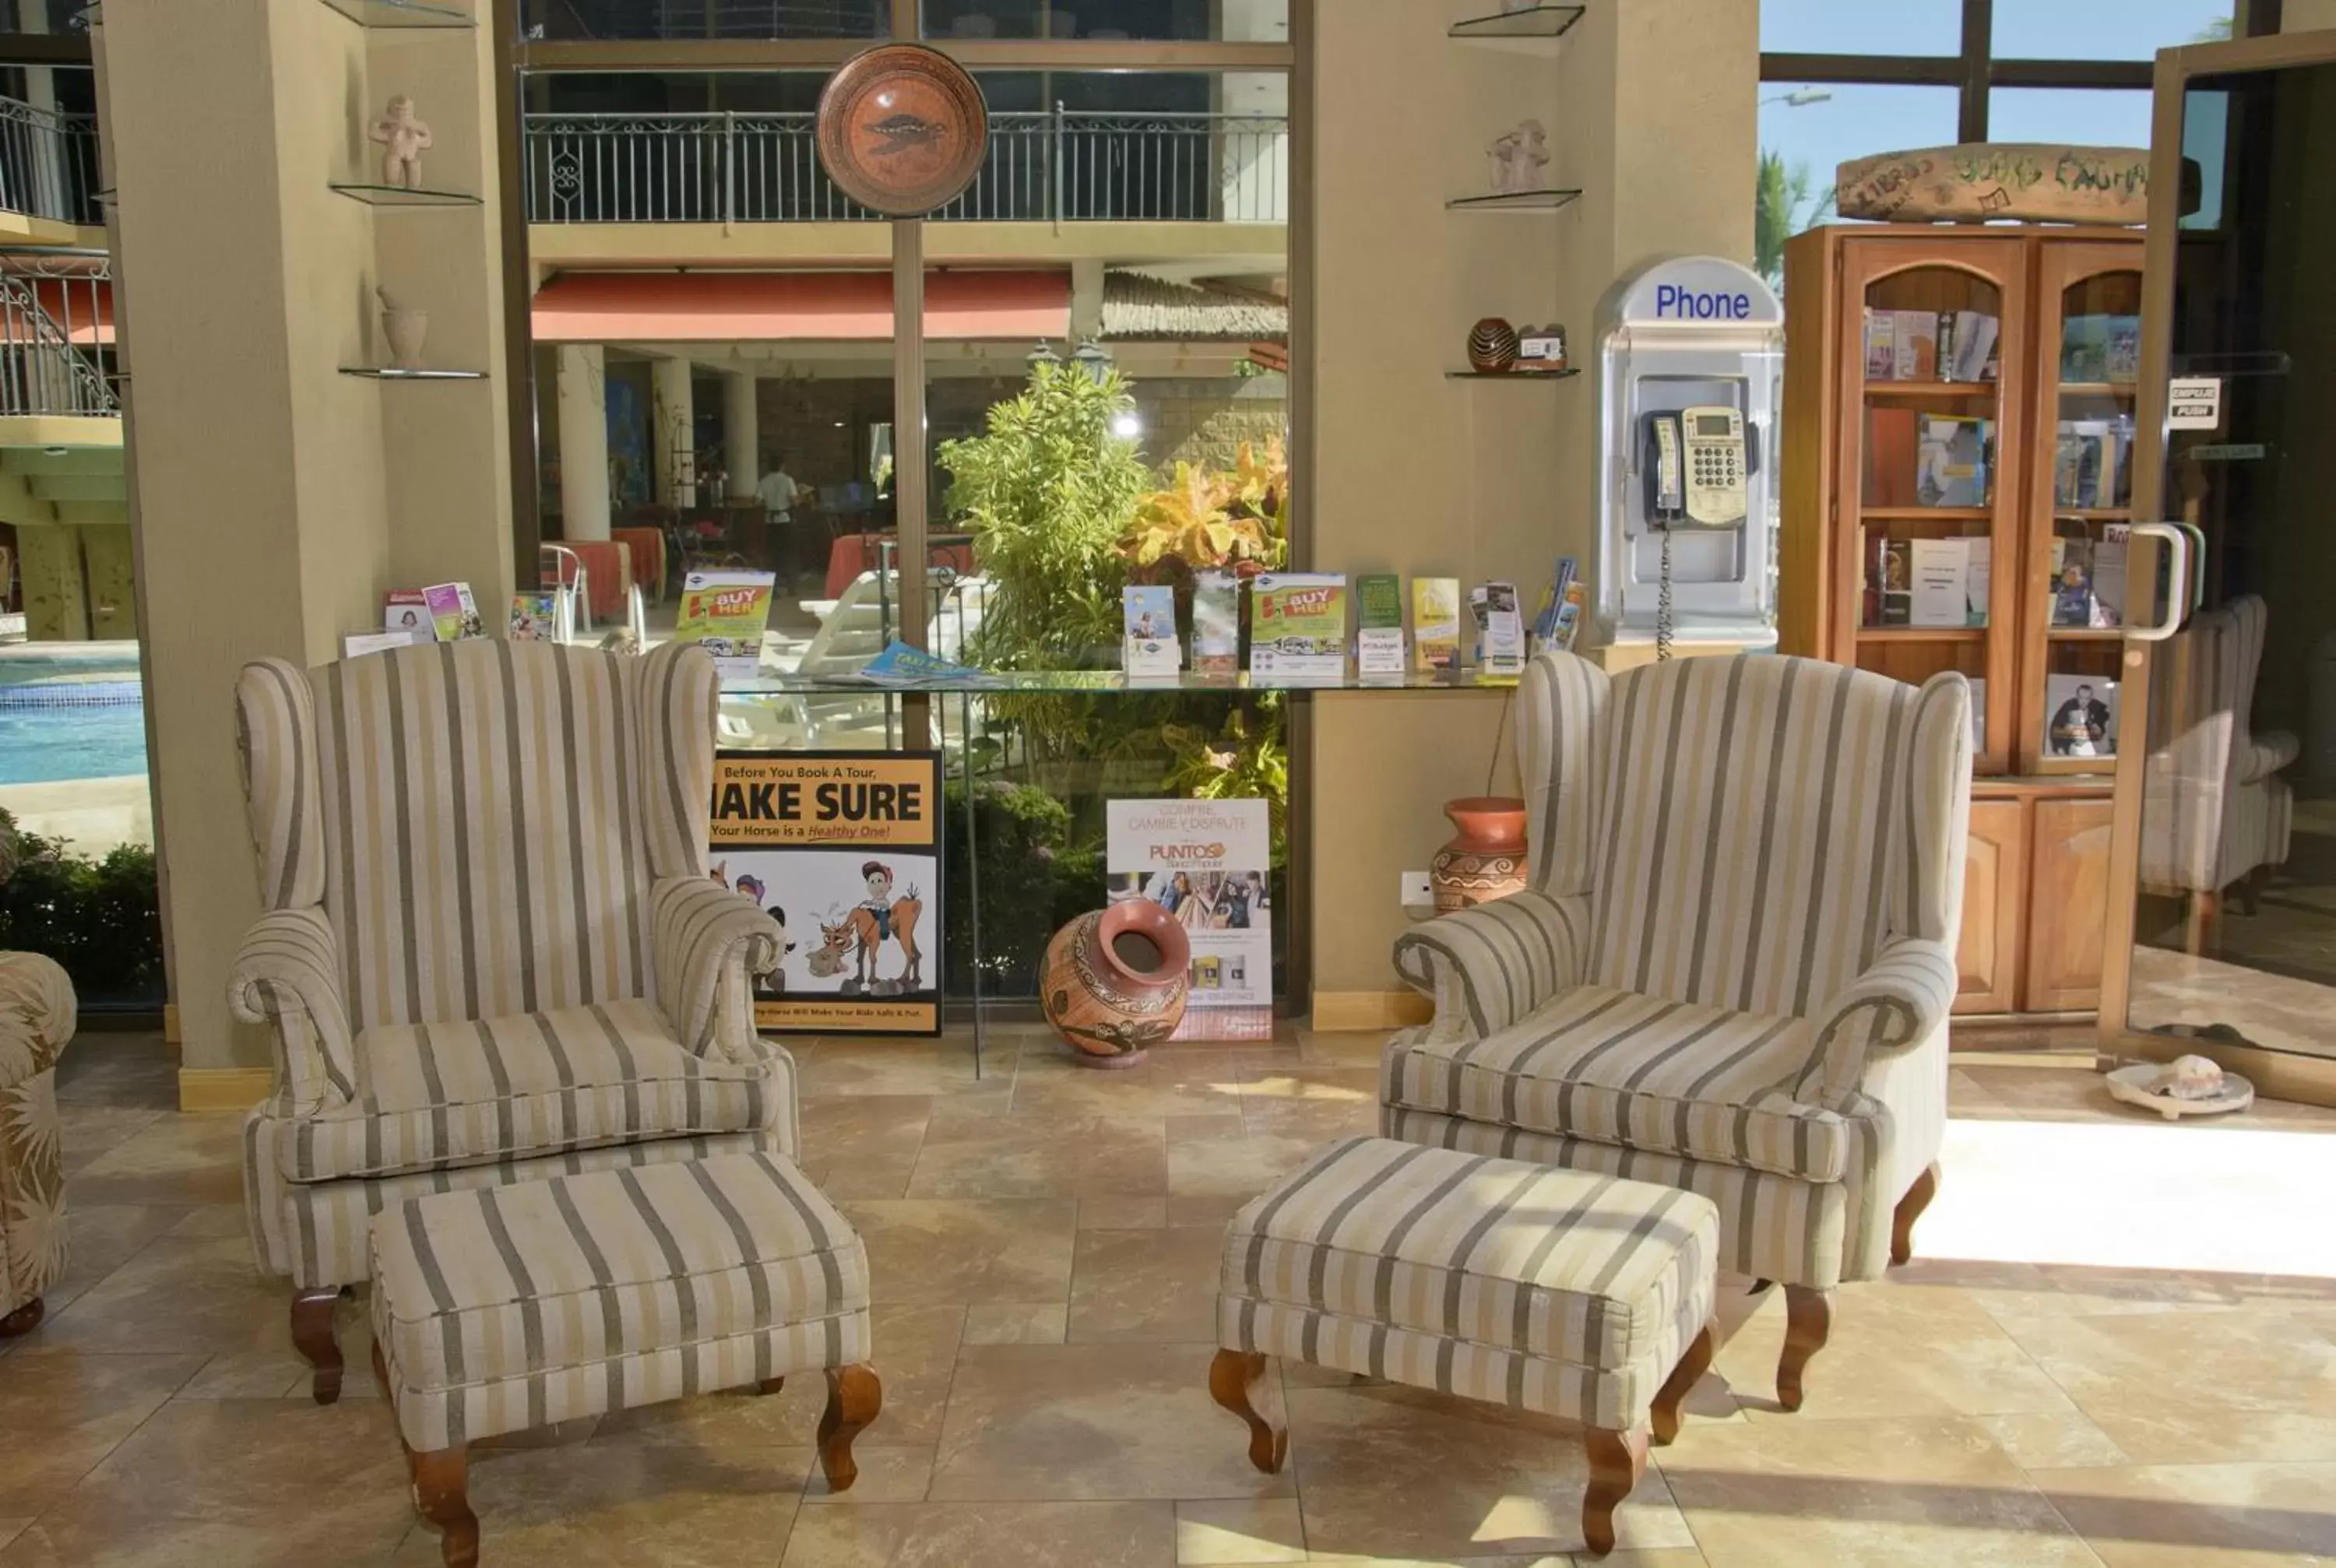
(1750, 871)
(37, 1012)
(1568, 1293)
(490, 931)
(2213, 806)
(503, 1309)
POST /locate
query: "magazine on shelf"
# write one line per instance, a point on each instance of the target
(1974, 340)
(900, 666)
(1378, 629)
(1978, 552)
(2072, 582)
(1434, 622)
(2101, 348)
(1150, 647)
(1500, 628)
(2080, 715)
(407, 610)
(452, 612)
(1952, 462)
(1938, 571)
(1881, 344)
(535, 616)
(2088, 462)
(1298, 626)
(1890, 581)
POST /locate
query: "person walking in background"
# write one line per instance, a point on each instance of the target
(777, 490)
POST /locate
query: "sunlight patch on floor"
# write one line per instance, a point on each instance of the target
(2225, 1200)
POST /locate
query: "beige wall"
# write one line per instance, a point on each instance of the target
(1651, 113)
(267, 522)
(2307, 15)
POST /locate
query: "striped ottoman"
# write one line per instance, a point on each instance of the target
(505, 1308)
(1581, 1296)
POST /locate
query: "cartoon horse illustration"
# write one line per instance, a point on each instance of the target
(859, 938)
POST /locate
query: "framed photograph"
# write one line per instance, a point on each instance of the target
(2080, 715)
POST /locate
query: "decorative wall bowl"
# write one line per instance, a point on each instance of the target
(1485, 859)
(1491, 345)
(1113, 982)
(901, 129)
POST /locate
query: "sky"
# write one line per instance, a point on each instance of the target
(1858, 120)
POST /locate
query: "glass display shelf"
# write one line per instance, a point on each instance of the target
(1532, 21)
(392, 373)
(1111, 682)
(402, 14)
(1515, 201)
(1511, 375)
(400, 196)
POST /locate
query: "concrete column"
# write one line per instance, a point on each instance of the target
(1087, 298)
(56, 593)
(583, 441)
(742, 434)
(672, 439)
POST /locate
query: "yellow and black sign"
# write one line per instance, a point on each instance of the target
(843, 850)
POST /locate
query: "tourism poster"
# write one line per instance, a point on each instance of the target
(842, 850)
(726, 613)
(1206, 862)
(1152, 647)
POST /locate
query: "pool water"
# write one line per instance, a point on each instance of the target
(68, 718)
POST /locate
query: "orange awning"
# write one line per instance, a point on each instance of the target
(779, 306)
(82, 309)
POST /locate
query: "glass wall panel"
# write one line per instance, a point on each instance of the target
(2098, 117)
(564, 19)
(1861, 27)
(1808, 128)
(1187, 21)
(2136, 30)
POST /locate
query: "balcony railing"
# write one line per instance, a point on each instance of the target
(48, 163)
(1062, 167)
(57, 334)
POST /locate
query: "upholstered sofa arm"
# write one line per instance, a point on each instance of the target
(36, 1017)
(288, 973)
(1490, 965)
(1898, 1002)
(709, 944)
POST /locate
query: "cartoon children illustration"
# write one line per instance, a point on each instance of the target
(878, 901)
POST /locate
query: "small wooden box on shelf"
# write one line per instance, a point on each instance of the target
(1887, 451)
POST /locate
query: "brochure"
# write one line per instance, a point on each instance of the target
(1978, 573)
(1952, 462)
(1216, 624)
(2108, 575)
(1939, 594)
(357, 644)
(1149, 646)
(901, 665)
(1894, 570)
(1434, 622)
(726, 612)
(1379, 637)
(405, 609)
(1502, 627)
(1298, 626)
(535, 616)
(453, 612)
(2072, 583)
(1568, 615)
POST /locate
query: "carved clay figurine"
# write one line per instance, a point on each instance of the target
(1519, 155)
(404, 329)
(404, 139)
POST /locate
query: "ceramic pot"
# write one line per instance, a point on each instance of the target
(1486, 857)
(1113, 984)
(1491, 345)
(405, 330)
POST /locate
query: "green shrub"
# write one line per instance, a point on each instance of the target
(101, 919)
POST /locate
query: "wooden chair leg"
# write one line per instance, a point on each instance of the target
(769, 1385)
(1910, 1208)
(1617, 1462)
(23, 1319)
(1808, 1320)
(311, 1336)
(854, 1399)
(1238, 1381)
(1684, 1377)
(442, 1495)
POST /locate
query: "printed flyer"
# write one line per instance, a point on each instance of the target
(726, 612)
(843, 851)
(1298, 626)
(1206, 862)
(453, 612)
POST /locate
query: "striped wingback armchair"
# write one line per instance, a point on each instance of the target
(36, 1020)
(491, 950)
(1731, 969)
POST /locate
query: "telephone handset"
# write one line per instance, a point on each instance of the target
(1695, 464)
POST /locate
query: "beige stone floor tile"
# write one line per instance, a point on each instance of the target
(2042, 1440)
(1171, 1081)
(886, 1476)
(1157, 1285)
(1342, 1048)
(619, 1505)
(176, 1159)
(176, 1295)
(304, 1533)
(1311, 1101)
(916, 1350)
(1242, 1530)
(89, 1128)
(2262, 1358)
(1016, 1323)
(1503, 1483)
(860, 1126)
(1918, 1490)
(967, 1251)
(62, 1412)
(1123, 1212)
(2177, 1425)
(1205, 1209)
(12, 1528)
(2200, 1516)
(1091, 1422)
(125, 1069)
(100, 1238)
(1223, 1164)
(829, 1067)
(1025, 1156)
(206, 1221)
(872, 1176)
(1132, 1534)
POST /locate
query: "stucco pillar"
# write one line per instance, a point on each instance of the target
(672, 433)
(741, 433)
(56, 596)
(583, 441)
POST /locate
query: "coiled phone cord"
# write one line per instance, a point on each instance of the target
(1663, 604)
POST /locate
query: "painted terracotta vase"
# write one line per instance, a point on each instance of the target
(1114, 983)
(1486, 857)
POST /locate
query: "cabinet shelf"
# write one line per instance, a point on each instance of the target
(2092, 513)
(1927, 514)
(1922, 634)
(1515, 201)
(2100, 388)
(400, 196)
(1929, 388)
(1532, 22)
(2083, 633)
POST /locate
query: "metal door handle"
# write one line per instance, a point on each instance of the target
(2177, 582)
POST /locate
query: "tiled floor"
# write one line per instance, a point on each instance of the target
(2118, 1348)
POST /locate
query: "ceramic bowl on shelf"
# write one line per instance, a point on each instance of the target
(2134, 1085)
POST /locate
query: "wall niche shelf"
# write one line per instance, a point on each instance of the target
(402, 13)
(1532, 22)
(1511, 375)
(400, 196)
(392, 373)
(1515, 201)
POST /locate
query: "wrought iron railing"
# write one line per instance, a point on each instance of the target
(1062, 167)
(48, 163)
(56, 333)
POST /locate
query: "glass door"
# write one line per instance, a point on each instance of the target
(2234, 935)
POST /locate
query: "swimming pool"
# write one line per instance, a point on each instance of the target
(64, 718)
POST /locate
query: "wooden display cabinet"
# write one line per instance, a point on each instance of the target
(1860, 491)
